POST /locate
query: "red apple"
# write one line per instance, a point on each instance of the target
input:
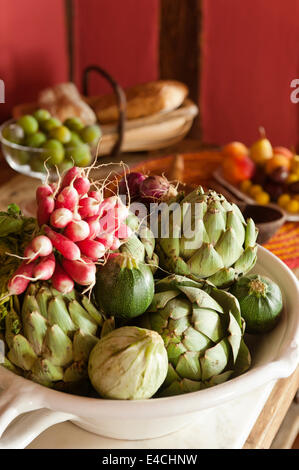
(238, 168)
(283, 151)
(234, 149)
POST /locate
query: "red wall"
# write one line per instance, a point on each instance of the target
(250, 56)
(121, 36)
(32, 48)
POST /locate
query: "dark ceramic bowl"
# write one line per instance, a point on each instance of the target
(268, 219)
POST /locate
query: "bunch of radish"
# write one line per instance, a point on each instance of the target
(79, 227)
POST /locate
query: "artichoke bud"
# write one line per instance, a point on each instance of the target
(234, 222)
(224, 277)
(45, 373)
(35, 329)
(82, 345)
(92, 311)
(59, 315)
(76, 372)
(213, 237)
(202, 331)
(229, 247)
(43, 297)
(251, 234)
(81, 318)
(21, 353)
(246, 261)
(108, 326)
(58, 347)
(205, 262)
(129, 363)
(54, 338)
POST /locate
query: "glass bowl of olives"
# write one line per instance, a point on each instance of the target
(39, 143)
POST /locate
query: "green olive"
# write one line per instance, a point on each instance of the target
(74, 124)
(80, 155)
(75, 140)
(50, 123)
(91, 134)
(53, 152)
(28, 123)
(36, 140)
(41, 115)
(61, 133)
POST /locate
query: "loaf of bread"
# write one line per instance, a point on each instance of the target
(64, 101)
(142, 100)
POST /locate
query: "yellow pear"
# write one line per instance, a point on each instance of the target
(261, 150)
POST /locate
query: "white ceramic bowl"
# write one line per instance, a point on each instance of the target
(274, 355)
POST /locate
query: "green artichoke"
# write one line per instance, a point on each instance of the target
(141, 244)
(51, 336)
(130, 363)
(202, 330)
(210, 240)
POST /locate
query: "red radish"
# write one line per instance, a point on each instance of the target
(18, 282)
(67, 198)
(70, 176)
(116, 244)
(61, 280)
(45, 268)
(53, 186)
(94, 250)
(64, 245)
(107, 205)
(96, 195)
(106, 240)
(45, 208)
(109, 223)
(94, 226)
(82, 185)
(30, 254)
(42, 245)
(81, 271)
(61, 217)
(124, 231)
(121, 212)
(77, 230)
(88, 207)
(43, 191)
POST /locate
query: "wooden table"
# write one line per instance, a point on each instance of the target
(282, 395)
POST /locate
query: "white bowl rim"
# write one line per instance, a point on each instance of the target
(188, 403)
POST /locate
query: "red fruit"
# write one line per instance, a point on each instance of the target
(71, 175)
(45, 208)
(234, 149)
(64, 245)
(45, 268)
(81, 271)
(18, 282)
(43, 191)
(237, 169)
(82, 185)
(91, 248)
(67, 198)
(61, 217)
(283, 151)
(61, 280)
(77, 230)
